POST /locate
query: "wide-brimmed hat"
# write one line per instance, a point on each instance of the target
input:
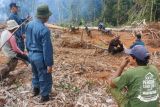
(139, 52)
(11, 24)
(43, 11)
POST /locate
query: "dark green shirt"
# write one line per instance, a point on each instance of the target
(143, 86)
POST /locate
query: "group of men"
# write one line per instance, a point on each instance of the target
(138, 86)
(116, 46)
(32, 44)
(141, 83)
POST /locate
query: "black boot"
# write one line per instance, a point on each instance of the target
(44, 99)
(35, 91)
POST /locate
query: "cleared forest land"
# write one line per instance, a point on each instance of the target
(80, 71)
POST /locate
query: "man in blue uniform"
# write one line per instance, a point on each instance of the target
(39, 46)
(20, 33)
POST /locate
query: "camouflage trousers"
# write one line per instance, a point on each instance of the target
(10, 65)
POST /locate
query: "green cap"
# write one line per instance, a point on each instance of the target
(43, 11)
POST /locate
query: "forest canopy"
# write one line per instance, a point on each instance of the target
(118, 12)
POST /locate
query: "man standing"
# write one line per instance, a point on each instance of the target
(20, 33)
(141, 83)
(39, 46)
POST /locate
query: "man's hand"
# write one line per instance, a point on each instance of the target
(115, 48)
(49, 69)
(125, 62)
(23, 36)
(25, 53)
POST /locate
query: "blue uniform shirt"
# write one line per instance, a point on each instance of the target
(137, 42)
(38, 40)
(21, 31)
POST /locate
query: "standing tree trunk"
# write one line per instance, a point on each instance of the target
(151, 15)
(118, 10)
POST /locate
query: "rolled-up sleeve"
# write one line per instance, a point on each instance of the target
(47, 48)
(122, 80)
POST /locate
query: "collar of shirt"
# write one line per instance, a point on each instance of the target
(38, 20)
(14, 13)
(138, 40)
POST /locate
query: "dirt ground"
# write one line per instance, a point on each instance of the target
(79, 76)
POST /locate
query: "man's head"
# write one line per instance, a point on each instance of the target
(117, 37)
(13, 7)
(43, 13)
(140, 55)
(138, 36)
(12, 25)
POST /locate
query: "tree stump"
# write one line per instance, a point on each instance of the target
(88, 31)
(73, 29)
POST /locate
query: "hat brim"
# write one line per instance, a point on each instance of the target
(15, 6)
(45, 15)
(11, 28)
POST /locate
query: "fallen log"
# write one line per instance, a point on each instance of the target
(88, 31)
(127, 29)
(55, 26)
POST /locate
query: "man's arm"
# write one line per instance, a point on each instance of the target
(14, 46)
(118, 73)
(48, 51)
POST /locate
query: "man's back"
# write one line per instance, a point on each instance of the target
(38, 40)
(35, 32)
(137, 42)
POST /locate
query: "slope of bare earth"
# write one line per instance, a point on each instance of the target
(79, 76)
